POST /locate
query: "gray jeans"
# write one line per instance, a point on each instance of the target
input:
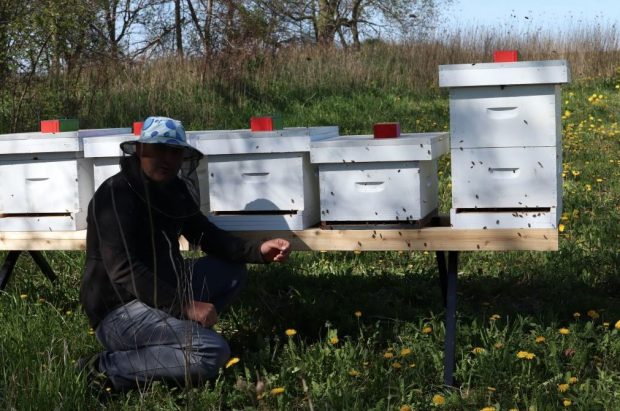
(144, 344)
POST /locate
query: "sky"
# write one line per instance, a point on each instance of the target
(551, 14)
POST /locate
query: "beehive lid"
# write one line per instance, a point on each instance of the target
(106, 145)
(365, 148)
(26, 143)
(504, 74)
(289, 140)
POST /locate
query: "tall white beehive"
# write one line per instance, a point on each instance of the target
(261, 180)
(506, 143)
(366, 179)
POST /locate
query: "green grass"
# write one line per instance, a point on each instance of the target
(505, 301)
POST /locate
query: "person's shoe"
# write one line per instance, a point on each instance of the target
(97, 381)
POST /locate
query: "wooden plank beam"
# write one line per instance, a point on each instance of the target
(429, 239)
(315, 239)
(43, 241)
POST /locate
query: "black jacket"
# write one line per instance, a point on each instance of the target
(132, 248)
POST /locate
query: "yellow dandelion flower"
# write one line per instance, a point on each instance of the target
(588, 187)
(388, 355)
(488, 409)
(68, 312)
(576, 315)
(478, 350)
(427, 330)
(561, 228)
(526, 355)
(513, 409)
(599, 180)
(354, 373)
(575, 173)
(23, 296)
(572, 380)
(232, 361)
(563, 387)
(358, 314)
(540, 339)
(290, 332)
(405, 352)
(566, 402)
(91, 331)
(564, 331)
(606, 324)
(277, 390)
(405, 408)
(438, 399)
(334, 340)
(567, 113)
(617, 325)
(397, 365)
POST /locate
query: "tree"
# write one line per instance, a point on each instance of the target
(350, 20)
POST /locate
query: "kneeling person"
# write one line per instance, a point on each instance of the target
(150, 308)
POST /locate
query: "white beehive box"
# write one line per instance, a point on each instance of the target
(505, 130)
(366, 179)
(103, 146)
(261, 180)
(47, 183)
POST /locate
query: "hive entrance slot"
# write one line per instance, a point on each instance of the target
(259, 212)
(504, 210)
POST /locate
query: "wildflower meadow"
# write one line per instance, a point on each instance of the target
(365, 331)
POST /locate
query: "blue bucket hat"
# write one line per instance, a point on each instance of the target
(163, 130)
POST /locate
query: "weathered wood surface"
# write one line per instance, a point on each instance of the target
(316, 239)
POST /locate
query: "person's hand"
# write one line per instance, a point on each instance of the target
(276, 250)
(203, 313)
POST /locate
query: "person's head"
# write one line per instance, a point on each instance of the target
(162, 149)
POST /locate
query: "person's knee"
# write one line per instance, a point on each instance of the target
(239, 273)
(211, 355)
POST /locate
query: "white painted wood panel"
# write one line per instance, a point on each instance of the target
(288, 140)
(505, 219)
(506, 177)
(258, 182)
(105, 146)
(492, 74)
(505, 116)
(366, 148)
(19, 143)
(51, 183)
(381, 191)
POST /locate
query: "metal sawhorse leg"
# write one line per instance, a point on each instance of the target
(11, 259)
(447, 279)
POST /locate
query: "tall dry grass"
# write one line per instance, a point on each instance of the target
(224, 92)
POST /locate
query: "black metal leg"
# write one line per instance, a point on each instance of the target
(43, 265)
(443, 274)
(7, 267)
(450, 342)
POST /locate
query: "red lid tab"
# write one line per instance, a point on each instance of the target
(137, 128)
(60, 126)
(266, 123)
(505, 56)
(50, 126)
(386, 130)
